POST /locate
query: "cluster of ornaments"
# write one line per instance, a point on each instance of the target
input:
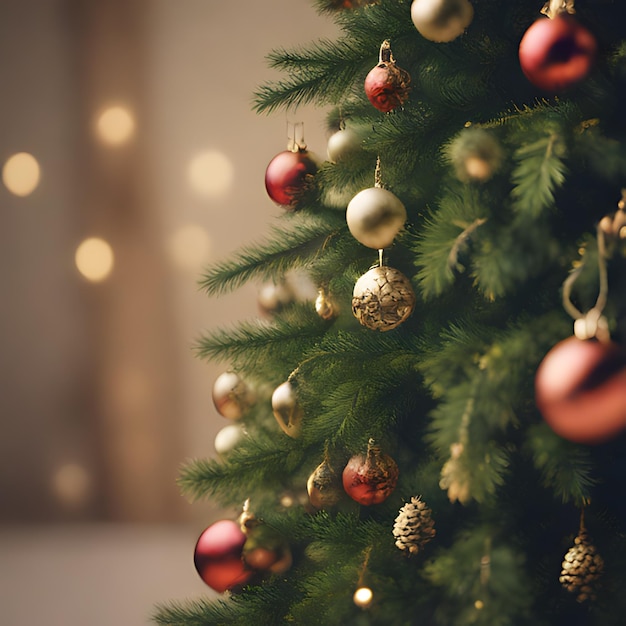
(580, 385)
(556, 52)
(229, 554)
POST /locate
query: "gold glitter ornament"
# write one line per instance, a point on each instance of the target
(414, 527)
(325, 306)
(286, 409)
(383, 298)
(324, 486)
(582, 568)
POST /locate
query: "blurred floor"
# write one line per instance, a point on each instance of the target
(94, 575)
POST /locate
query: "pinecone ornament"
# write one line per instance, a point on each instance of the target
(414, 527)
(582, 567)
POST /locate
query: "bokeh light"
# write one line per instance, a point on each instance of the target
(72, 484)
(363, 597)
(94, 259)
(21, 174)
(115, 125)
(189, 247)
(210, 173)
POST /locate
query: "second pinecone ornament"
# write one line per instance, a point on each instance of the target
(414, 527)
(582, 568)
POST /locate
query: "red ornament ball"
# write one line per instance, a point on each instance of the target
(218, 556)
(370, 478)
(288, 175)
(580, 389)
(387, 86)
(556, 53)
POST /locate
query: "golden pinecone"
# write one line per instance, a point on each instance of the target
(414, 526)
(582, 567)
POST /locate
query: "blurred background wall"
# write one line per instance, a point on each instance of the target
(131, 159)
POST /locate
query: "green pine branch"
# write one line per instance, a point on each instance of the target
(258, 464)
(539, 171)
(325, 73)
(250, 342)
(285, 249)
(566, 468)
(447, 234)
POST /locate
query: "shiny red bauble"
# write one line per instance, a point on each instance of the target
(387, 86)
(557, 53)
(580, 389)
(218, 556)
(288, 175)
(370, 478)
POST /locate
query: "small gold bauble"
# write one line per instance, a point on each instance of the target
(375, 216)
(286, 409)
(232, 396)
(324, 486)
(325, 306)
(383, 298)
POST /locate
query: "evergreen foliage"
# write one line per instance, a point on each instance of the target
(450, 393)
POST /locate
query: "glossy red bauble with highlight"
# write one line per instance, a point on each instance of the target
(218, 556)
(557, 53)
(580, 390)
(288, 175)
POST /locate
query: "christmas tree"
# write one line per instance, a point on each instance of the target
(438, 438)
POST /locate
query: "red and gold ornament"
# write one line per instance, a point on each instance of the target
(387, 85)
(370, 478)
(557, 52)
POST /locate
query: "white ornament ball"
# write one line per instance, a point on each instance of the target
(441, 20)
(228, 438)
(375, 216)
(343, 144)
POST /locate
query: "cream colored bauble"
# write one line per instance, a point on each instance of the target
(441, 20)
(343, 144)
(375, 216)
(228, 437)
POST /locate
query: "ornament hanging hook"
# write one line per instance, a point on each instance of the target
(592, 324)
(295, 141)
(552, 8)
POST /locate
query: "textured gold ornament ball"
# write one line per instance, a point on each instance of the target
(383, 298)
(375, 216)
